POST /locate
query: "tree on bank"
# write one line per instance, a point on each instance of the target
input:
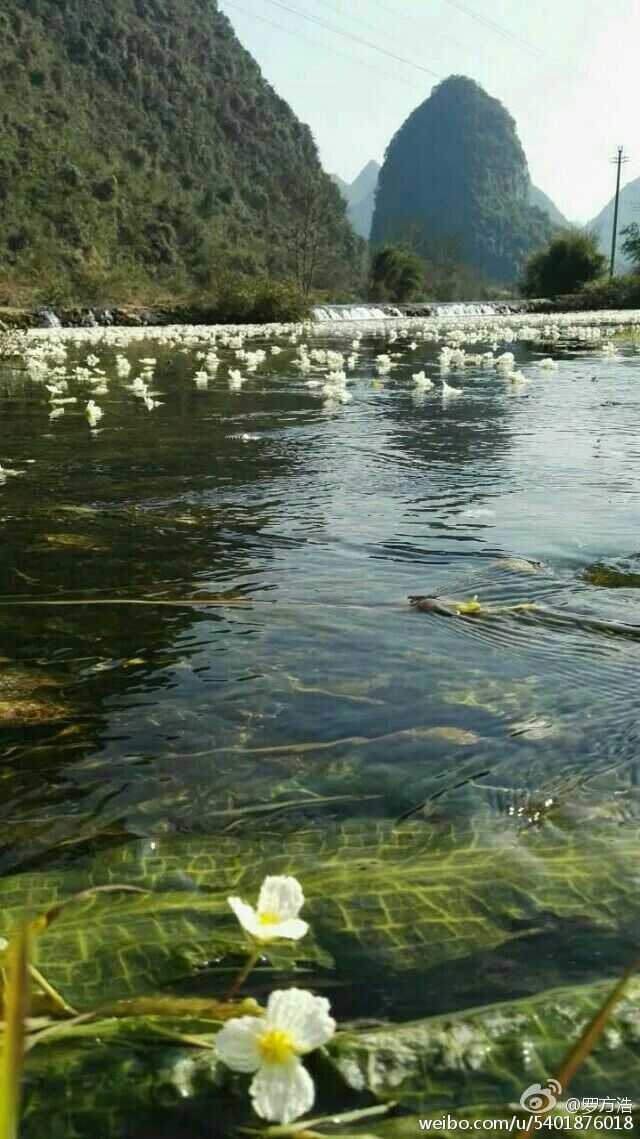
(631, 244)
(397, 274)
(316, 240)
(568, 262)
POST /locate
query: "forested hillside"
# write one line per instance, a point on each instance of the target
(141, 144)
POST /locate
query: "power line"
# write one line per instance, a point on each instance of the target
(322, 46)
(409, 19)
(506, 33)
(376, 29)
(356, 39)
(552, 62)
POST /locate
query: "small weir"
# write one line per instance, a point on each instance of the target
(377, 312)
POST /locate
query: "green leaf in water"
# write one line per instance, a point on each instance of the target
(405, 898)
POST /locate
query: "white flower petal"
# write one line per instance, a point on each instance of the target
(293, 928)
(282, 1092)
(304, 1017)
(246, 915)
(237, 1043)
(281, 896)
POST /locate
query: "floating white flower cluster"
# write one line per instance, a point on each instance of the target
(102, 351)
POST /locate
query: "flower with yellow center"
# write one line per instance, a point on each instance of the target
(294, 1024)
(276, 915)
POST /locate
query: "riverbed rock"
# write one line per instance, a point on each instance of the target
(517, 565)
(445, 733)
(14, 713)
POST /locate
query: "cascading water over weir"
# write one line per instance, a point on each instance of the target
(368, 312)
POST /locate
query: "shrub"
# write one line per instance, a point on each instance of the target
(244, 300)
(567, 263)
(279, 301)
(620, 292)
(397, 274)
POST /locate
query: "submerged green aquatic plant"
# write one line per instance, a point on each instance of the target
(400, 898)
(426, 1067)
(611, 577)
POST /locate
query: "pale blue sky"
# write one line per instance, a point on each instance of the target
(567, 70)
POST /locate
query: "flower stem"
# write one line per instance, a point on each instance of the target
(243, 974)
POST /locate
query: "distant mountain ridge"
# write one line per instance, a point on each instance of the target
(543, 202)
(628, 212)
(360, 197)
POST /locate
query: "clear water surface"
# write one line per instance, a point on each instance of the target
(311, 683)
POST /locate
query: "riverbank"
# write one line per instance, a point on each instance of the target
(619, 294)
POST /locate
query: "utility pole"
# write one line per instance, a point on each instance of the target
(618, 160)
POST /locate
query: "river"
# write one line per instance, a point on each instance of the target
(205, 628)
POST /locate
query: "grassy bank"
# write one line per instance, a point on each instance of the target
(236, 300)
(619, 293)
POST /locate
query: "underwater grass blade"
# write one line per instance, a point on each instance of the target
(16, 1005)
(298, 1128)
(45, 919)
(589, 1038)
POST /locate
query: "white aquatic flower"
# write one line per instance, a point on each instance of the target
(339, 377)
(93, 413)
(139, 387)
(422, 381)
(5, 472)
(295, 1023)
(383, 364)
(336, 392)
(92, 361)
(449, 392)
(57, 388)
(548, 362)
(276, 915)
(123, 367)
